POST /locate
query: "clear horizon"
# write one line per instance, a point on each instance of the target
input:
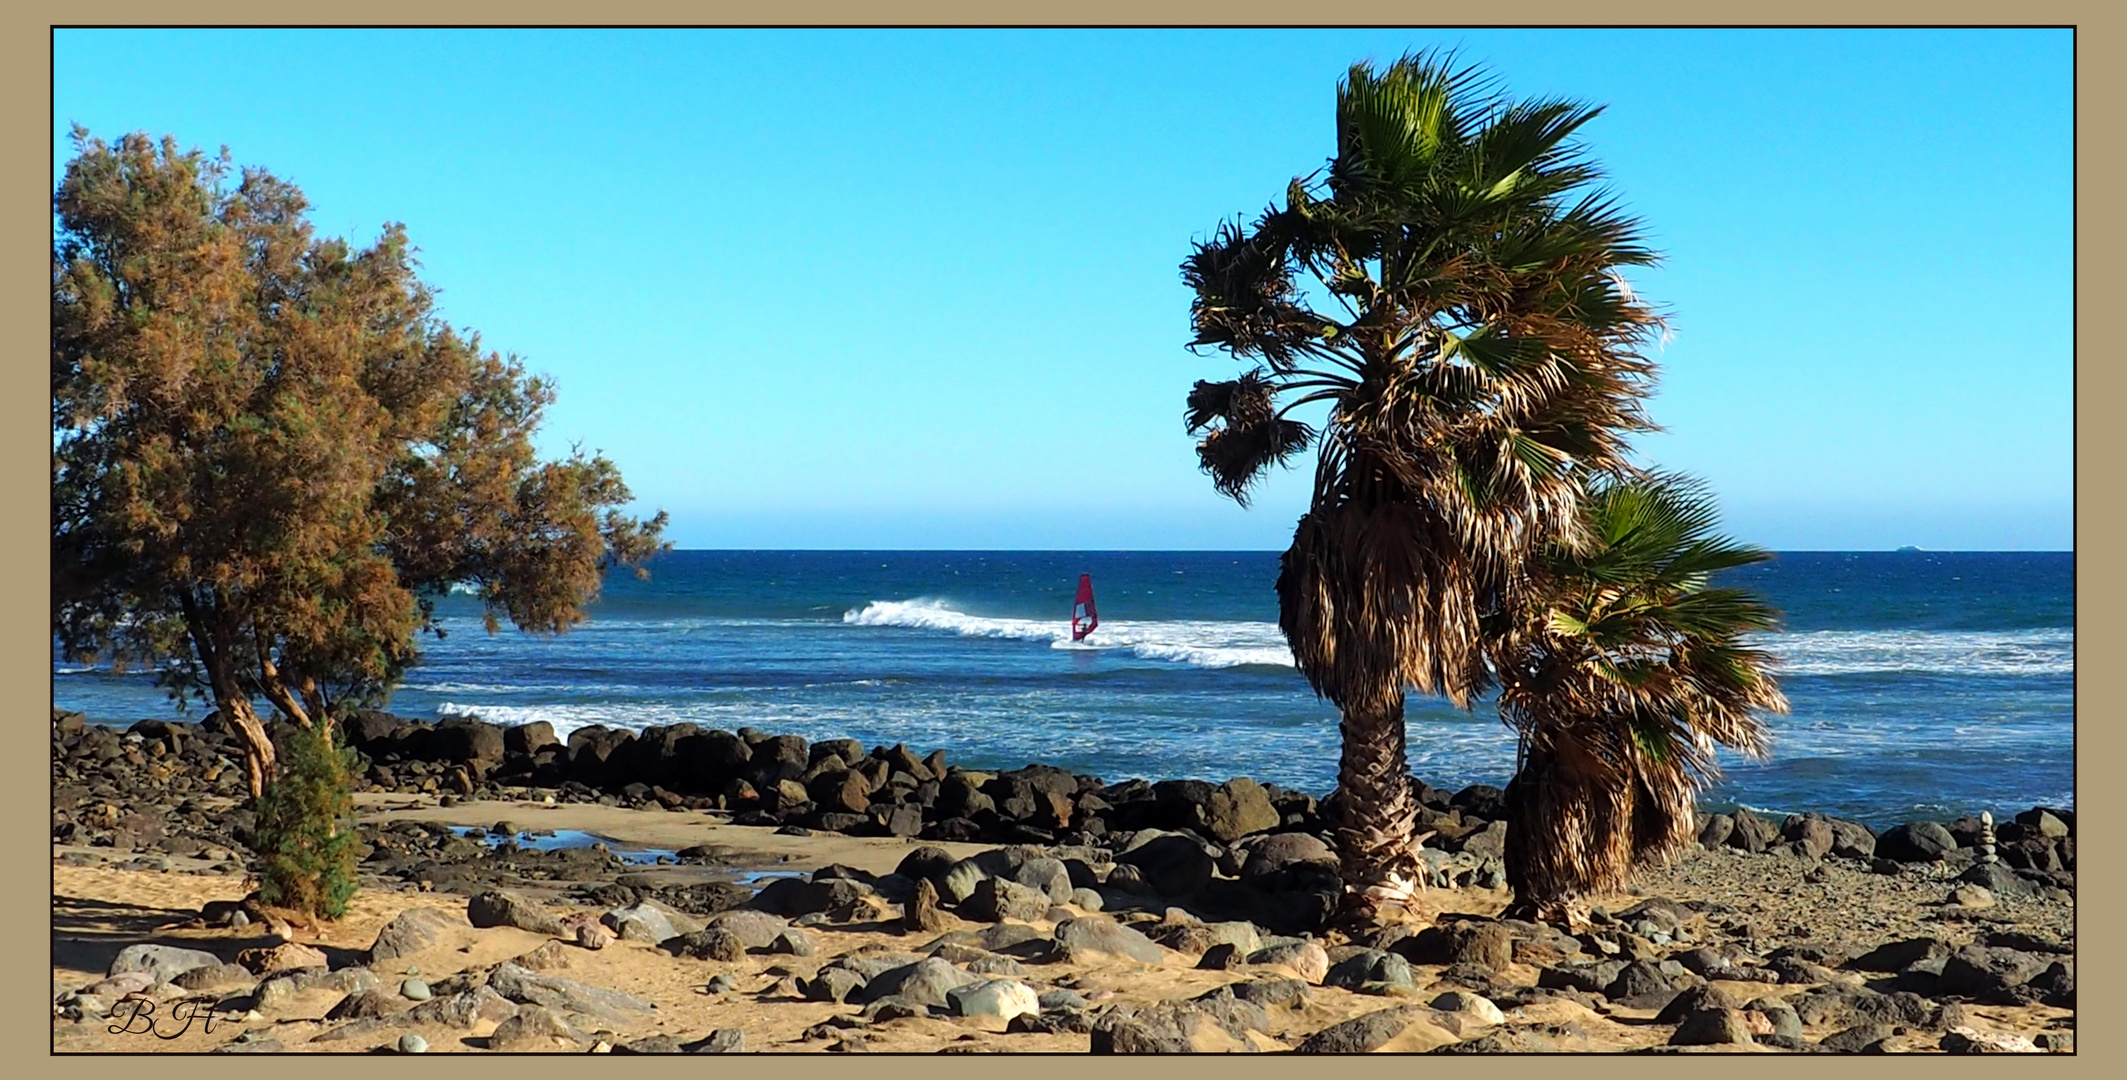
(918, 290)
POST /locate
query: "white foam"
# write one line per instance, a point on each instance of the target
(1934, 652)
(1196, 643)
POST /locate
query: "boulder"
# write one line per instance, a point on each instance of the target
(535, 1030)
(645, 923)
(554, 992)
(501, 907)
(1361, 1034)
(1715, 830)
(793, 896)
(754, 929)
(1306, 959)
(1896, 956)
(1048, 875)
(1810, 833)
(1475, 1007)
(1966, 1040)
(1271, 860)
(287, 956)
(463, 1009)
(922, 914)
(164, 962)
(2044, 823)
(720, 1041)
(999, 900)
(1369, 971)
(477, 745)
(549, 956)
(1481, 801)
(1693, 1001)
(1997, 879)
(1165, 1027)
(713, 943)
(1094, 935)
(1238, 808)
(364, 1005)
(925, 982)
(214, 977)
(529, 739)
(1851, 839)
(1916, 842)
(1638, 979)
(1858, 1039)
(1988, 973)
(1489, 842)
(1174, 865)
(1752, 833)
(925, 863)
(1712, 1027)
(1003, 998)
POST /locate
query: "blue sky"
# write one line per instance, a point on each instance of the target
(919, 289)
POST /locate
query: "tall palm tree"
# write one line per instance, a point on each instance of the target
(1622, 669)
(1463, 317)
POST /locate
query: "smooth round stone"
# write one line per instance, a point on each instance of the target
(413, 1044)
(414, 990)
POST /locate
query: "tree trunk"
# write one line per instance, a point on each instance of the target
(1376, 816)
(1567, 836)
(259, 761)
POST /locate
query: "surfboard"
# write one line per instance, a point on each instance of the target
(1083, 617)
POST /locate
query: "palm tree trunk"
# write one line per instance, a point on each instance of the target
(1376, 816)
(1568, 835)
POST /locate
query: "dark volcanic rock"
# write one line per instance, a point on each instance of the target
(1916, 841)
(500, 907)
(1361, 1034)
(1899, 955)
(1715, 830)
(1638, 979)
(998, 900)
(1175, 866)
(1985, 973)
(1712, 1027)
(1694, 1001)
(1752, 833)
(1095, 934)
(1857, 1039)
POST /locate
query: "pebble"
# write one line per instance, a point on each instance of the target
(413, 1044)
(414, 990)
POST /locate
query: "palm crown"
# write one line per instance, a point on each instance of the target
(1478, 351)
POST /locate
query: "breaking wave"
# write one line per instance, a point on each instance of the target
(1197, 644)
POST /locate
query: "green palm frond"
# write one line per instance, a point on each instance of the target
(1625, 646)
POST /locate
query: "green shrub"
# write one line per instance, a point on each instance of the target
(305, 839)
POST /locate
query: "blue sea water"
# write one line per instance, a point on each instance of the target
(1923, 684)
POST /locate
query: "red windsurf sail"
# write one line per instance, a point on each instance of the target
(1083, 618)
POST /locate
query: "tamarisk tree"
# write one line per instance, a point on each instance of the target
(270, 455)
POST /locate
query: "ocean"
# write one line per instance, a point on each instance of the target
(1923, 684)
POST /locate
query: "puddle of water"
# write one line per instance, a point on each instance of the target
(560, 839)
(563, 839)
(763, 877)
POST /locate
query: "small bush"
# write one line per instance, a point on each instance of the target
(305, 838)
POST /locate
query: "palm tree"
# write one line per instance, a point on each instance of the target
(1477, 349)
(1622, 668)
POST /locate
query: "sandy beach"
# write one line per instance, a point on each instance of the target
(1762, 913)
